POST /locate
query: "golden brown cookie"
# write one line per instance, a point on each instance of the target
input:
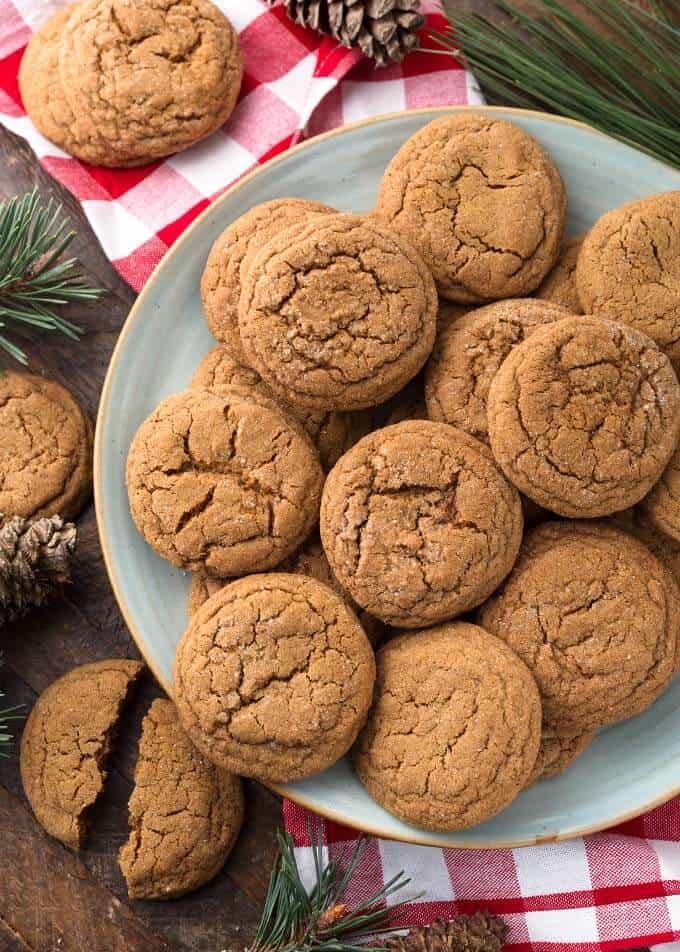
(226, 264)
(225, 483)
(418, 523)
(185, 813)
(449, 313)
(629, 268)
(202, 588)
(560, 285)
(596, 618)
(468, 353)
(147, 77)
(331, 431)
(666, 549)
(453, 733)
(584, 416)
(662, 504)
(483, 203)
(274, 677)
(556, 753)
(338, 314)
(45, 449)
(66, 741)
(409, 404)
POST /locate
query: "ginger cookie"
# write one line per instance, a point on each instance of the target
(148, 77)
(449, 313)
(45, 449)
(225, 483)
(560, 285)
(628, 268)
(66, 741)
(556, 753)
(596, 618)
(482, 201)
(453, 733)
(409, 404)
(418, 523)
(338, 314)
(469, 352)
(274, 677)
(665, 548)
(310, 559)
(662, 504)
(185, 813)
(584, 416)
(331, 431)
(225, 267)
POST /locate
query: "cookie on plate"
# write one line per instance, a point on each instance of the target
(66, 741)
(468, 353)
(662, 504)
(45, 449)
(454, 729)
(418, 523)
(185, 813)
(584, 416)
(274, 677)
(557, 752)
(595, 616)
(483, 203)
(628, 268)
(559, 286)
(225, 483)
(338, 314)
(331, 431)
(227, 261)
(147, 78)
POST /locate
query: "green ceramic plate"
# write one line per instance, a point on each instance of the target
(629, 768)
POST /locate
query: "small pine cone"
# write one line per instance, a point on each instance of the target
(384, 30)
(35, 560)
(478, 933)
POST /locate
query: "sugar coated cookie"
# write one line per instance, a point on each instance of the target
(560, 285)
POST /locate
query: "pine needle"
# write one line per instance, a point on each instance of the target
(618, 69)
(294, 920)
(35, 278)
(6, 715)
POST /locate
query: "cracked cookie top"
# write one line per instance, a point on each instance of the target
(274, 677)
(227, 262)
(556, 753)
(150, 77)
(483, 203)
(338, 314)
(223, 482)
(45, 449)
(584, 416)
(418, 523)
(468, 353)
(65, 743)
(596, 618)
(662, 504)
(185, 813)
(453, 732)
(628, 269)
(331, 431)
(560, 285)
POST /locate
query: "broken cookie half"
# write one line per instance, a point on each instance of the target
(185, 813)
(66, 742)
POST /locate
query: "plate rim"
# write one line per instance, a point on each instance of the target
(300, 799)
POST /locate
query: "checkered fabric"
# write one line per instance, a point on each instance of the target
(613, 890)
(296, 83)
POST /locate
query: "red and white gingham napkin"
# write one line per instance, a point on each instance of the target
(612, 891)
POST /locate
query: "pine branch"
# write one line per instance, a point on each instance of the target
(296, 921)
(35, 278)
(6, 715)
(621, 75)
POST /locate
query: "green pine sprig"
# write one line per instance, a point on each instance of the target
(35, 278)
(294, 920)
(616, 66)
(6, 715)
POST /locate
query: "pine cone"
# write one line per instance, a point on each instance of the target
(478, 933)
(35, 560)
(384, 30)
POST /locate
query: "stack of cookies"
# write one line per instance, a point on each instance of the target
(123, 82)
(328, 497)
